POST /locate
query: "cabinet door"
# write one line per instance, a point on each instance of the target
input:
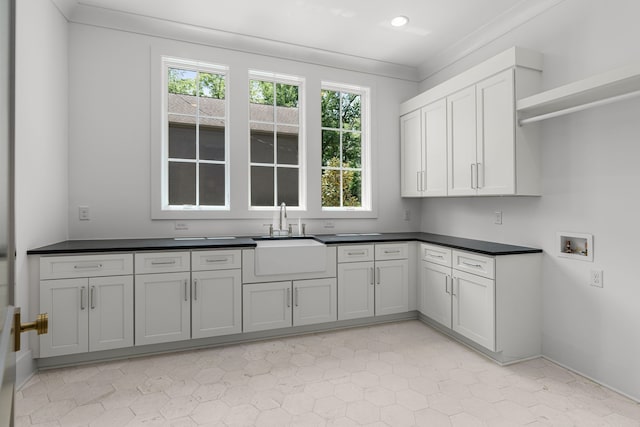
(434, 131)
(392, 287)
(474, 308)
(314, 301)
(461, 142)
(435, 292)
(355, 290)
(411, 155)
(496, 135)
(216, 307)
(162, 305)
(266, 306)
(110, 312)
(66, 301)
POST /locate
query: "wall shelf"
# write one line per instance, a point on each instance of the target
(612, 86)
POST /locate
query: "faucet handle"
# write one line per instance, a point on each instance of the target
(290, 231)
(270, 229)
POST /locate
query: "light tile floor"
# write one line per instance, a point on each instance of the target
(399, 374)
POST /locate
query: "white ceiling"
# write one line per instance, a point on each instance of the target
(358, 28)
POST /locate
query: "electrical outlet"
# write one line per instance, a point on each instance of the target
(329, 224)
(497, 217)
(407, 215)
(597, 279)
(83, 213)
(181, 225)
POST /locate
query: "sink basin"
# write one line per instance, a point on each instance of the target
(289, 256)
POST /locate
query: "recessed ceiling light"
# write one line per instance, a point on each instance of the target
(399, 21)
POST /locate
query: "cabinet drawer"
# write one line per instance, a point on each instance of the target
(162, 262)
(476, 264)
(355, 253)
(436, 254)
(216, 260)
(392, 251)
(63, 267)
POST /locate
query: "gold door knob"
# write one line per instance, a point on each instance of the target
(40, 325)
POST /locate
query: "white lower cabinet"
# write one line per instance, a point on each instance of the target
(162, 308)
(216, 304)
(87, 314)
(474, 308)
(434, 292)
(290, 303)
(373, 288)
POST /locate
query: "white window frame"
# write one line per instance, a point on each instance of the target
(198, 66)
(365, 139)
(302, 157)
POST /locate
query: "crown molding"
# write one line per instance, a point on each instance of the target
(149, 26)
(508, 21)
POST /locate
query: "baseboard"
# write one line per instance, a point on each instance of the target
(25, 368)
(569, 368)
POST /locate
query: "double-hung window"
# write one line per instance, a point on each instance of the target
(276, 140)
(195, 171)
(346, 174)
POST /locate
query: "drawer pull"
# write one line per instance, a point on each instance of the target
(356, 253)
(87, 267)
(195, 289)
(217, 259)
(378, 275)
(435, 256)
(397, 251)
(297, 296)
(82, 298)
(288, 297)
(371, 275)
(186, 291)
(468, 264)
(173, 261)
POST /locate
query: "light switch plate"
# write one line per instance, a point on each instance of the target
(597, 278)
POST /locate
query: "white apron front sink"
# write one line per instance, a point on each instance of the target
(289, 256)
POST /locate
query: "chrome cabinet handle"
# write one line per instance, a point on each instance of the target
(217, 260)
(288, 297)
(472, 265)
(92, 296)
(453, 286)
(378, 275)
(397, 251)
(87, 267)
(297, 296)
(371, 276)
(446, 284)
(186, 296)
(435, 256)
(82, 307)
(163, 262)
(195, 289)
(356, 253)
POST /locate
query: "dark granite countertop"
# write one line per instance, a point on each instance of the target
(129, 245)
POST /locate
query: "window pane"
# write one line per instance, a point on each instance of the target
(211, 142)
(351, 111)
(330, 109)
(287, 149)
(182, 82)
(351, 150)
(288, 186)
(262, 146)
(261, 92)
(261, 186)
(212, 85)
(286, 95)
(330, 188)
(182, 183)
(330, 148)
(212, 185)
(182, 141)
(351, 184)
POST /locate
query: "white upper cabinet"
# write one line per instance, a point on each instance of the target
(486, 152)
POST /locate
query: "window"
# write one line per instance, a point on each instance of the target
(195, 172)
(276, 145)
(345, 148)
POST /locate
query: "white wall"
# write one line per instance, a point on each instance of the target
(591, 184)
(41, 167)
(111, 136)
